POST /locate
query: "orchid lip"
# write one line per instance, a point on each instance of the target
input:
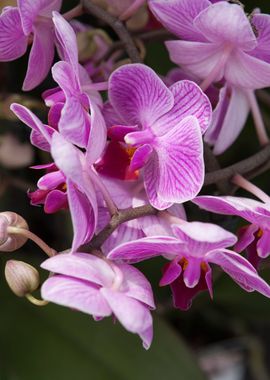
(139, 138)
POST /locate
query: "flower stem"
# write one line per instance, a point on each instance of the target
(131, 10)
(245, 184)
(30, 235)
(74, 12)
(36, 301)
(257, 117)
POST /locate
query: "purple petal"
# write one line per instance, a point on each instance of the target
(183, 296)
(253, 211)
(41, 56)
(56, 200)
(140, 157)
(66, 38)
(199, 238)
(97, 137)
(181, 165)
(75, 121)
(178, 15)
(261, 22)
(189, 100)
(246, 235)
(241, 271)
(83, 214)
(30, 11)
(263, 244)
(132, 314)
(229, 118)
(82, 266)
(138, 95)
(171, 272)
(76, 294)
(243, 70)
(198, 58)
(192, 273)
(145, 248)
(54, 115)
(42, 136)
(51, 180)
(136, 286)
(151, 174)
(13, 42)
(118, 132)
(226, 23)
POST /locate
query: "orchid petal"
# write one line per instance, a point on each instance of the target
(82, 266)
(181, 165)
(13, 42)
(178, 15)
(138, 95)
(240, 269)
(76, 294)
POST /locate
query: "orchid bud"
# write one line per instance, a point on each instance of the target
(10, 242)
(21, 277)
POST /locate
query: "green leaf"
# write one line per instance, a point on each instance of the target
(57, 343)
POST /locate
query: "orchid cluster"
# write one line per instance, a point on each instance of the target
(127, 152)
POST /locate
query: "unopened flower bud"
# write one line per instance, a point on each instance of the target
(21, 277)
(10, 242)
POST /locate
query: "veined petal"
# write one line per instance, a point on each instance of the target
(199, 238)
(76, 294)
(83, 214)
(140, 157)
(178, 15)
(229, 118)
(132, 314)
(181, 165)
(29, 10)
(56, 200)
(151, 180)
(198, 58)
(82, 266)
(243, 70)
(226, 23)
(138, 95)
(246, 236)
(98, 135)
(171, 272)
(189, 100)
(135, 285)
(254, 211)
(240, 269)
(41, 56)
(145, 248)
(13, 42)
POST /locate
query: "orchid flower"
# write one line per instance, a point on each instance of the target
(194, 246)
(101, 288)
(19, 26)
(165, 126)
(74, 172)
(255, 212)
(219, 42)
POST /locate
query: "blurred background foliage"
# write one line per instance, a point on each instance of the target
(224, 339)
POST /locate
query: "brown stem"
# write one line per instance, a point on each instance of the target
(242, 167)
(121, 217)
(116, 25)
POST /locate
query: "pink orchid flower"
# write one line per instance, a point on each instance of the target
(101, 288)
(165, 126)
(194, 246)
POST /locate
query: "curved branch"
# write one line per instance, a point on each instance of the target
(116, 25)
(242, 167)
